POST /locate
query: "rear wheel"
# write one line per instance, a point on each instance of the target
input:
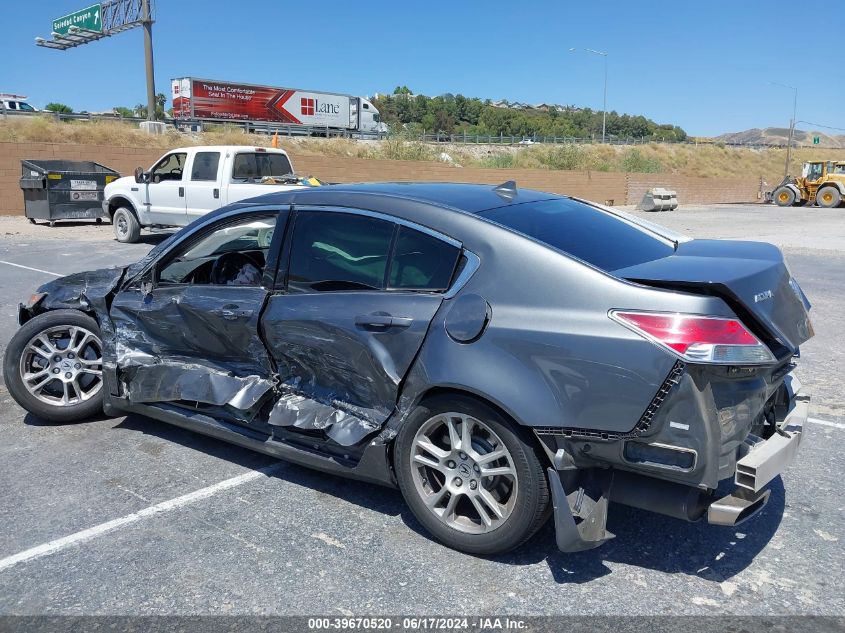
(469, 476)
(784, 197)
(828, 197)
(53, 366)
(126, 226)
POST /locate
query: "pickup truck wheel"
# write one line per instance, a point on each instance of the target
(469, 476)
(53, 366)
(784, 197)
(126, 226)
(828, 197)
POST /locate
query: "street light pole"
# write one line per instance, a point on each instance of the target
(147, 22)
(604, 102)
(792, 124)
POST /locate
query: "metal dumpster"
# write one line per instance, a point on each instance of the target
(64, 189)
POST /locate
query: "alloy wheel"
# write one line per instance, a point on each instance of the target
(63, 366)
(464, 473)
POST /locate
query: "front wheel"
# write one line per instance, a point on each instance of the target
(784, 197)
(469, 476)
(53, 366)
(127, 229)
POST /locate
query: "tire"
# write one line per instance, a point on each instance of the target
(59, 399)
(126, 226)
(521, 497)
(828, 197)
(784, 197)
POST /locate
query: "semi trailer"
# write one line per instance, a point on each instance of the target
(198, 100)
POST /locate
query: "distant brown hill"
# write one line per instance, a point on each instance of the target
(778, 136)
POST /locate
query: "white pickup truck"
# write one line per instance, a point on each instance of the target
(189, 182)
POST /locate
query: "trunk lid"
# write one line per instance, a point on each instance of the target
(751, 276)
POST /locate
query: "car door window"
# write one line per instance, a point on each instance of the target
(422, 262)
(339, 251)
(230, 255)
(169, 168)
(205, 166)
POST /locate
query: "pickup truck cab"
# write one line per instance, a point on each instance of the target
(189, 182)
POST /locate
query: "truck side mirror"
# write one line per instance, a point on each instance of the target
(140, 176)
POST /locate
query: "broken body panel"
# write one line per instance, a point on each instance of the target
(324, 380)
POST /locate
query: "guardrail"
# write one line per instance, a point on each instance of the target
(266, 127)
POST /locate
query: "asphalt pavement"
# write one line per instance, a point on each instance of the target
(131, 516)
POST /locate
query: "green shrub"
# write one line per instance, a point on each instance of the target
(634, 160)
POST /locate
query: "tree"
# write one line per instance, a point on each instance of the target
(59, 107)
(140, 110)
(123, 111)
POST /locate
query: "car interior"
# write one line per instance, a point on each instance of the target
(234, 255)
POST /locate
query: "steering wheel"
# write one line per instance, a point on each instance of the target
(227, 266)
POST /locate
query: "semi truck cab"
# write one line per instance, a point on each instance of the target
(369, 118)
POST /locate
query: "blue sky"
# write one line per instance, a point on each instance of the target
(705, 66)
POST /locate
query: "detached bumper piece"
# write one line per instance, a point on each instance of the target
(763, 461)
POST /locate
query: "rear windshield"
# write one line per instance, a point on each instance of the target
(255, 166)
(595, 236)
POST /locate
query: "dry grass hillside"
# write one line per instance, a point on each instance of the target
(710, 160)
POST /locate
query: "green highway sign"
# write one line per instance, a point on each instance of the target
(815, 140)
(90, 18)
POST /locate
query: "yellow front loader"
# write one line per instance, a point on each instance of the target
(821, 182)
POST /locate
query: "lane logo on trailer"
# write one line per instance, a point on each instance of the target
(310, 107)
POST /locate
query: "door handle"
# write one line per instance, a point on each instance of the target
(216, 193)
(382, 321)
(181, 192)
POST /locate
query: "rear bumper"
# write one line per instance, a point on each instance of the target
(762, 461)
(581, 512)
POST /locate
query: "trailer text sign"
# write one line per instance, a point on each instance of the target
(90, 19)
(219, 100)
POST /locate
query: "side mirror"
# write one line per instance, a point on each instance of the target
(141, 176)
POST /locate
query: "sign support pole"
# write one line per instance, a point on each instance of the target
(146, 20)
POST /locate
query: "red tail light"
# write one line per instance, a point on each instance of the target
(698, 339)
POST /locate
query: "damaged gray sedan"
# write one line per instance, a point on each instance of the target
(500, 355)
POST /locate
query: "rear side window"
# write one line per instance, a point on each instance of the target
(205, 166)
(590, 234)
(339, 251)
(255, 166)
(421, 262)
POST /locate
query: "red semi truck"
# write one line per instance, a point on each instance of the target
(211, 100)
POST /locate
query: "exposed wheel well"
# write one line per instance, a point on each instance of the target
(119, 201)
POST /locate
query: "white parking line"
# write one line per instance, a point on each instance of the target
(165, 506)
(835, 425)
(38, 270)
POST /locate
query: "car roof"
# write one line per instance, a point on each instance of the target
(472, 198)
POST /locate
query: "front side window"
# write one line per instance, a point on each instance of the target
(254, 166)
(422, 262)
(169, 168)
(205, 166)
(590, 234)
(339, 251)
(25, 107)
(232, 255)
